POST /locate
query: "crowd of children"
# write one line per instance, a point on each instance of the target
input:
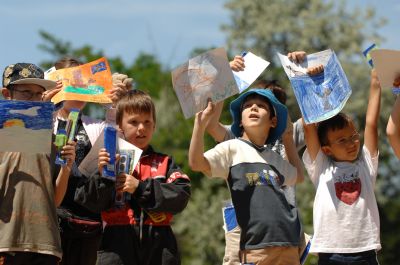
(56, 215)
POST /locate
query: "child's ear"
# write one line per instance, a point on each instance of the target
(274, 122)
(327, 150)
(6, 93)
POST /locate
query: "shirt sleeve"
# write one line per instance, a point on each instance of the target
(220, 160)
(314, 168)
(229, 134)
(170, 196)
(372, 163)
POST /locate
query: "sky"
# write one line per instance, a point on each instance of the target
(169, 29)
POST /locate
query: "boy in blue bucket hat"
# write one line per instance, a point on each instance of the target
(255, 175)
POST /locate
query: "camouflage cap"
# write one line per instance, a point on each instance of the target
(25, 73)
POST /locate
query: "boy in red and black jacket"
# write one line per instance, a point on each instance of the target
(140, 231)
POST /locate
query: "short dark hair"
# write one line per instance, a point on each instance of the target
(67, 62)
(135, 101)
(337, 122)
(273, 85)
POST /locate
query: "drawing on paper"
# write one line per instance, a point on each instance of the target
(207, 76)
(26, 126)
(321, 96)
(88, 82)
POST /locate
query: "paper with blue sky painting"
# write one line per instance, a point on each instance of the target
(26, 126)
(320, 96)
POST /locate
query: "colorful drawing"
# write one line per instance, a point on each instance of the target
(207, 76)
(89, 82)
(26, 126)
(321, 96)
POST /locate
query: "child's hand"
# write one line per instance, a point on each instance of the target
(126, 183)
(315, 70)
(203, 117)
(237, 64)
(121, 85)
(104, 158)
(297, 56)
(48, 94)
(374, 79)
(68, 153)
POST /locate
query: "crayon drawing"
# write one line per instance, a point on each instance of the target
(26, 126)
(89, 82)
(321, 96)
(207, 76)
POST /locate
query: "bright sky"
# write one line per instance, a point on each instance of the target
(170, 29)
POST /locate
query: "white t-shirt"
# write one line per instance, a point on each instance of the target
(345, 214)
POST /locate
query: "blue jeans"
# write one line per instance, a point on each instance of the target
(361, 258)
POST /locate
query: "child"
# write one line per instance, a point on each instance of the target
(222, 133)
(270, 227)
(393, 126)
(140, 232)
(80, 228)
(29, 194)
(345, 213)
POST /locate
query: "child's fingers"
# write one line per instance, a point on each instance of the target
(297, 56)
(315, 70)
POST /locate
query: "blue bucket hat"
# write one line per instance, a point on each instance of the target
(280, 113)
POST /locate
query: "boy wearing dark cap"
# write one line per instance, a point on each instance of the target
(255, 176)
(28, 196)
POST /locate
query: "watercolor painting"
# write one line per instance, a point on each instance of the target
(320, 96)
(204, 77)
(26, 126)
(89, 82)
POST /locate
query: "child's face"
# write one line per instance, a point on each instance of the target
(256, 114)
(28, 92)
(138, 128)
(343, 144)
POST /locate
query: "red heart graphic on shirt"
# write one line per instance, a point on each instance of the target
(349, 191)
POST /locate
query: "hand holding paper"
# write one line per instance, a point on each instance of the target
(254, 66)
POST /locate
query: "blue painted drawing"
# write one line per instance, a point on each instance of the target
(26, 126)
(322, 96)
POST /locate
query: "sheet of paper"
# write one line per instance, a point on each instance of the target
(207, 76)
(89, 82)
(321, 96)
(254, 66)
(26, 126)
(88, 166)
(387, 65)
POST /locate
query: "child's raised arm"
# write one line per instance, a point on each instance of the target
(310, 130)
(197, 161)
(393, 126)
(214, 127)
(291, 151)
(372, 116)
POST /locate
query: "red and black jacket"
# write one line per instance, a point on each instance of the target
(163, 191)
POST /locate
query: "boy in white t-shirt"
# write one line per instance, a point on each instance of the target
(345, 214)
